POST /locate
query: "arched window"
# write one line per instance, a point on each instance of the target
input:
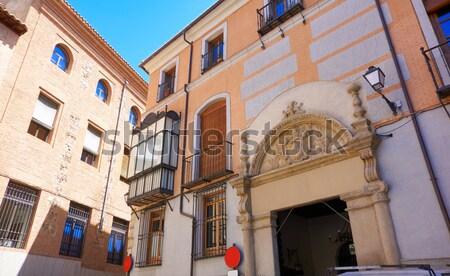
(134, 117)
(102, 91)
(60, 57)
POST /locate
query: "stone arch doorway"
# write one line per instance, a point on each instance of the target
(307, 157)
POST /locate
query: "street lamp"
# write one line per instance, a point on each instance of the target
(375, 77)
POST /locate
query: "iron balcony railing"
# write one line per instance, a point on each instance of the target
(437, 59)
(213, 57)
(152, 186)
(167, 87)
(276, 12)
(208, 164)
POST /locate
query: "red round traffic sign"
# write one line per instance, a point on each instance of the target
(127, 263)
(232, 257)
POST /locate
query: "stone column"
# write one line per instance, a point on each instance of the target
(242, 187)
(264, 228)
(369, 208)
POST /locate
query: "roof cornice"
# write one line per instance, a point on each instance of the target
(12, 22)
(208, 19)
(96, 43)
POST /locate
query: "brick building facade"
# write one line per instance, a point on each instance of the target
(63, 210)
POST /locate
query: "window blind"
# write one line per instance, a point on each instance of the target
(92, 141)
(45, 112)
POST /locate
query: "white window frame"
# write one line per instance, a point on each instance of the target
(162, 74)
(222, 29)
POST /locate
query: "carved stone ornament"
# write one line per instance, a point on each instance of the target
(86, 74)
(292, 109)
(299, 138)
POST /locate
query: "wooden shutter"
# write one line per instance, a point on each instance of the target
(434, 5)
(213, 138)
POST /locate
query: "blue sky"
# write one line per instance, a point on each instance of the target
(139, 27)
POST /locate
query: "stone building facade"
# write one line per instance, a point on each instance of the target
(64, 92)
(289, 154)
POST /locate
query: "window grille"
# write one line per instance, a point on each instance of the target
(150, 239)
(210, 221)
(15, 215)
(74, 231)
(117, 241)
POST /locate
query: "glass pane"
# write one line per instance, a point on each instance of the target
(149, 154)
(167, 148)
(158, 149)
(160, 124)
(132, 165)
(279, 8)
(133, 117)
(140, 157)
(446, 28)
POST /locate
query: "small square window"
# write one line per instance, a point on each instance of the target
(214, 53)
(43, 119)
(167, 85)
(91, 146)
(214, 48)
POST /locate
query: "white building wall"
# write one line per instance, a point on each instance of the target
(176, 254)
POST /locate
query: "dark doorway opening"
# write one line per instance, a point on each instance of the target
(314, 237)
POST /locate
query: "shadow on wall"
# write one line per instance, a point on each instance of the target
(44, 257)
(8, 37)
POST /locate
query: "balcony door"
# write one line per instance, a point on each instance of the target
(213, 139)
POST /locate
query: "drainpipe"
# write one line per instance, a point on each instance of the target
(183, 153)
(423, 147)
(183, 149)
(116, 130)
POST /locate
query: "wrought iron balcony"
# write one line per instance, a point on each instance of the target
(151, 186)
(437, 59)
(276, 12)
(167, 87)
(213, 57)
(208, 164)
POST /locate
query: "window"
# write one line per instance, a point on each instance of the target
(15, 215)
(167, 85)
(74, 231)
(213, 48)
(150, 239)
(210, 225)
(214, 55)
(212, 152)
(91, 146)
(134, 116)
(102, 91)
(275, 12)
(212, 142)
(116, 243)
(43, 118)
(125, 160)
(60, 57)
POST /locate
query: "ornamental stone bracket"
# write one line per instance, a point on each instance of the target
(242, 187)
